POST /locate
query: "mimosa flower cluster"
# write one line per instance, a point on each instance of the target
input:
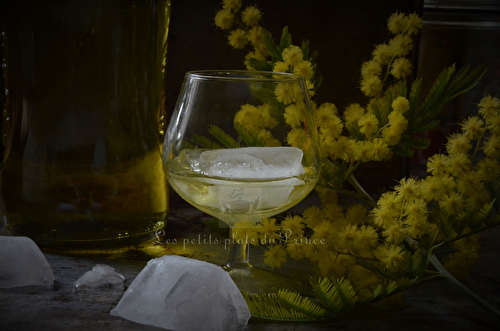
(245, 31)
(388, 63)
(376, 245)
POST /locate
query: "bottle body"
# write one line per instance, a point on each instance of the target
(84, 86)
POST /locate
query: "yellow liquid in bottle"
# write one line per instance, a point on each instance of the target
(85, 80)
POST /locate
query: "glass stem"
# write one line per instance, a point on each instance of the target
(238, 254)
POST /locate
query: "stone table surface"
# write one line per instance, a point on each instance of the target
(433, 306)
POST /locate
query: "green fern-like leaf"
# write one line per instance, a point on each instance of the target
(269, 307)
(303, 288)
(387, 106)
(494, 220)
(422, 127)
(188, 145)
(377, 109)
(305, 48)
(250, 138)
(260, 65)
(492, 188)
(286, 39)
(338, 295)
(202, 141)
(347, 292)
(301, 303)
(393, 286)
(413, 99)
(355, 131)
(482, 216)
(461, 221)
(271, 47)
(415, 142)
(448, 85)
(333, 174)
(373, 268)
(400, 89)
(445, 223)
(417, 264)
(377, 293)
(225, 139)
(487, 215)
(434, 100)
(313, 57)
(402, 150)
(463, 82)
(326, 292)
(381, 292)
(318, 80)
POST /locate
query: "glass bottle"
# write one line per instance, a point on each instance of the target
(84, 85)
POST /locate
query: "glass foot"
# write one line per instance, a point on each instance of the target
(257, 280)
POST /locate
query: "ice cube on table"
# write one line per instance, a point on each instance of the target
(101, 276)
(23, 264)
(252, 162)
(182, 294)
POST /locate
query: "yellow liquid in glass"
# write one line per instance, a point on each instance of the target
(233, 200)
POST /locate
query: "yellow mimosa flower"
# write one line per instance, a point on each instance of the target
(401, 68)
(233, 5)
(473, 127)
(304, 69)
(224, 19)
(292, 55)
(414, 24)
(397, 23)
(401, 45)
(251, 16)
(237, 39)
(275, 257)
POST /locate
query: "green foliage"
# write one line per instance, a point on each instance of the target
(226, 140)
(203, 142)
(415, 142)
(338, 295)
(493, 189)
(223, 140)
(301, 304)
(403, 150)
(250, 138)
(416, 265)
(331, 297)
(261, 65)
(286, 39)
(381, 292)
(448, 85)
(409, 143)
(446, 223)
(333, 173)
(414, 99)
(268, 306)
(355, 132)
(482, 216)
(305, 48)
(462, 82)
(271, 47)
